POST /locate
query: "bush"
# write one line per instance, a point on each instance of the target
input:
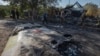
(2, 13)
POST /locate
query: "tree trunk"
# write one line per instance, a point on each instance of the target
(32, 16)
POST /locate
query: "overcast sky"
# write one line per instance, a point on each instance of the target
(63, 3)
(3, 3)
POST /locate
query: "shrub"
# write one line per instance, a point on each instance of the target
(2, 13)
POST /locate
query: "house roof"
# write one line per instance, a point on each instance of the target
(75, 4)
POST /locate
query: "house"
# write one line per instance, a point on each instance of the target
(76, 9)
(99, 12)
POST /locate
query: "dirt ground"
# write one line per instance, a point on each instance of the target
(5, 31)
(4, 36)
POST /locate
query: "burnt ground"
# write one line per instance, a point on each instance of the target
(89, 39)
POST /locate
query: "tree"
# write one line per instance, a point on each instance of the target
(91, 8)
(33, 4)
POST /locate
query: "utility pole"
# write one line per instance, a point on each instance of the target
(99, 3)
(69, 2)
